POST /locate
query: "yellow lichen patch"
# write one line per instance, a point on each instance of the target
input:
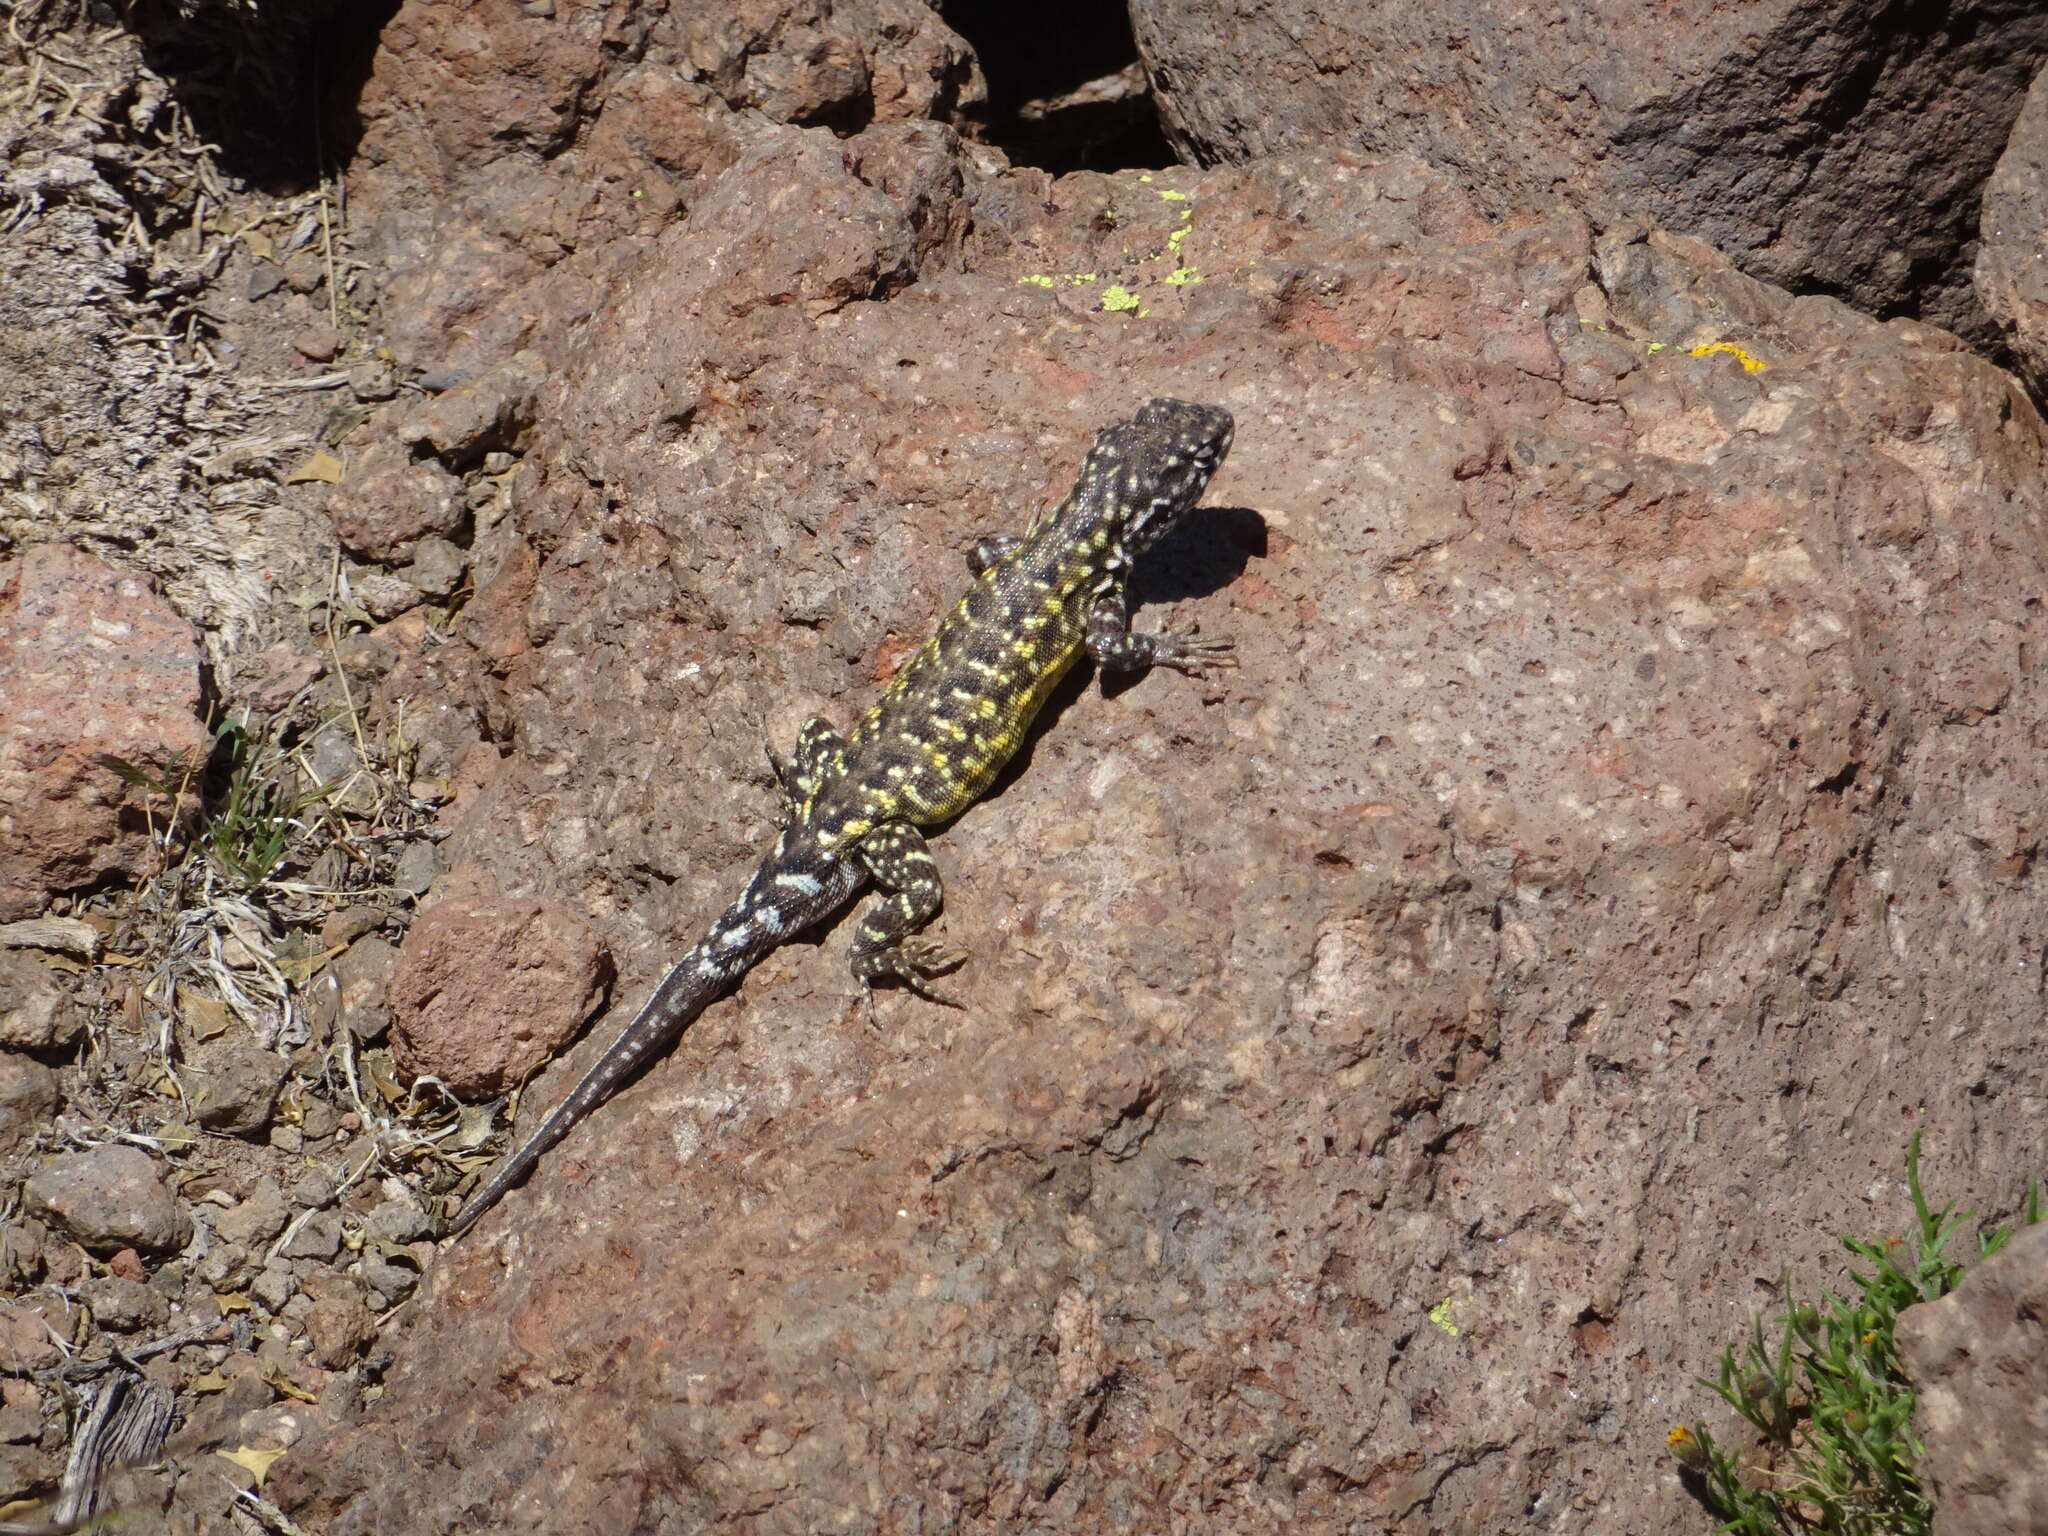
(1116, 297)
(1749, 364)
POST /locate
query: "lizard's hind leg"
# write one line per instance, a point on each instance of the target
(887, 942)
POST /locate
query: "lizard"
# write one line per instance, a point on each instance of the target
(943, 727)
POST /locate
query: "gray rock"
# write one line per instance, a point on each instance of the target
(318, 1237)
(234, 1088)
(28, 1098)
(395, 1221)
(124, 1305)
(273, 1285)
(416, 868)
(110, 1198)
(1978, 1361)
(437, 566)
(364, 974)
(37, 1012)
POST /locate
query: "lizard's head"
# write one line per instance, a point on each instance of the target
(1155, 466)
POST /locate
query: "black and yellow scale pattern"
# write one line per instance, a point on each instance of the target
(942, 729)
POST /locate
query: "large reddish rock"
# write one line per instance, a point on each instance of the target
(1820, 143)
(93, 661)
(1388, 1073)
(2012, 260)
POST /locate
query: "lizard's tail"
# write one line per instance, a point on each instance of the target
(784, 897)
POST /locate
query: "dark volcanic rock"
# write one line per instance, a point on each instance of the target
(1978, 1360)
(2012, 261)
(1622, 828)
(1817, 142)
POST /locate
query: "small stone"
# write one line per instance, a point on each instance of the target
(25, 1342)
(169, 1280)
(37, 1012)
(488, 987)
(273, 1285)
(304, 273)
(256, 1219)
(124, 1305)
(416, 868)
(437, 566)
(332, 754)
(367, 656)
(315, 1189)
(109, 1198)
(383, 595)
(28, 1099)
(373, 381)
(318, 1237)
(225, 1266)
(21, 1255)
(287, 1138)
(390, 499)
(364, 974)
(25, 1472)
(265, 278)
(234, 1088)
(395, 1221)
(392, 1282)
(21, 1412)
(435, 380)
(349, 924)
(318, 343)
(128, 1265)
(337, 1323)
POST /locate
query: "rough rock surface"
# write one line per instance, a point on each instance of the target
(1978, 1360)
(553, 141)
(487, 988)
(1820, 143)
(1389, 1072)
(28, 1098)
(109, 1198)
(2012, 260)
(92, 660)
(36, 1008)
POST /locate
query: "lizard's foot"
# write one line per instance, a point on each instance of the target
(913, 963)
(1184, 653)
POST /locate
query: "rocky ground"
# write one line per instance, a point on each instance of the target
(1389, 1073)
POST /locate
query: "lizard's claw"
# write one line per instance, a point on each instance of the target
(913, 963)
(1184, 653)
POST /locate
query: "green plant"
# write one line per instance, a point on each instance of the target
(250, 821)
(1822, 1389)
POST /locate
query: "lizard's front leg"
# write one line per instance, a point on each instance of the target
(1117, 647)
(887, 941)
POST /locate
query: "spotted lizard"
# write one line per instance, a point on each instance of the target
(931, 745)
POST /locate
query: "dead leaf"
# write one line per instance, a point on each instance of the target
(251, 1460)
(206, 1017)
(320, 466)
(208, 1381)
(231, 1301)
